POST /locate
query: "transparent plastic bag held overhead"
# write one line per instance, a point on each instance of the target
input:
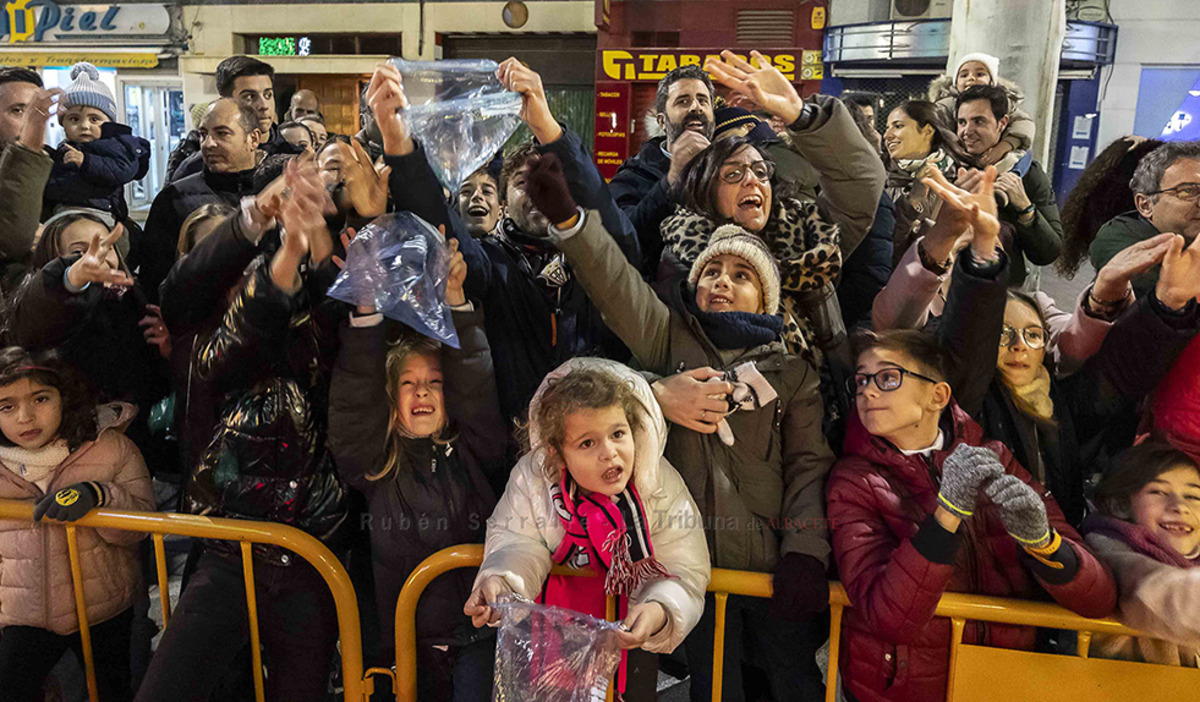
(398, 264)
(551, 654)
(460, 112)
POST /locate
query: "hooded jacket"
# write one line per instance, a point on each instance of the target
(896, 562)
(763, 494)
(35, 572)
(525, 529)
(270, 358)
(534, 323)
(438, 496)
(23, 175)
(116, 158)
(1158, 598)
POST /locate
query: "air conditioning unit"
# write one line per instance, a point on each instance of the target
(921, 9)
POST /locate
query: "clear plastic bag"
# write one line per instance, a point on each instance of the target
(460, 112)
(551, 654)
(398, 264)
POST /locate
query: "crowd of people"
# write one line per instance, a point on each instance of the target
(777, 341)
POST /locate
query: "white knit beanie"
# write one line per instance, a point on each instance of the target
(990, 62)
(86, 89)
(733, 240)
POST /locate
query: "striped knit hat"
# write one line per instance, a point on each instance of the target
(735, 241)
(86, 89)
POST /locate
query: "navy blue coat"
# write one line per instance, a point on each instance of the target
(531, 327)
(867, 270)
(116, 158)
(641, 190)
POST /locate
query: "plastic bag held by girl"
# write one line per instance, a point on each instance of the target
(398, 264)
(551, 654)
(460, 112)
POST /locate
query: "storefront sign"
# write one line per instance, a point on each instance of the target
(38, 59)
(653, 64)
(284, 46)
(34, 21)
(611, 145)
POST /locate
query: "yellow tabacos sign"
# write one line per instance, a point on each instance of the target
(653, 64)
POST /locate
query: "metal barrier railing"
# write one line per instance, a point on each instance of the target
(957, 607)
(247, 533)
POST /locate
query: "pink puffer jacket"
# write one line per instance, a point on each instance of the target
(35, 571)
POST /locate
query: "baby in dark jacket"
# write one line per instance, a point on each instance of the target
(99, 155)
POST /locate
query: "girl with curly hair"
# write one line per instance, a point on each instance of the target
(67, 457)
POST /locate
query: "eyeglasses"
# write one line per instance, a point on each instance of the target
(1035, 337)
(1188, 192)
(762, 170)
(887, 380)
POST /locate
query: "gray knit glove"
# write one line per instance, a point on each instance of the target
(963, 472)
(1021, 509)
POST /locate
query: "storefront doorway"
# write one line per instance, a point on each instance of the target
(154, 110)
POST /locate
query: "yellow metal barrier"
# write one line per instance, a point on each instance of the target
(246, 533)
(972, 668)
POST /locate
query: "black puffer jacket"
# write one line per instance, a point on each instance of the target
(438, 495)
(270, 356)
(641, 190)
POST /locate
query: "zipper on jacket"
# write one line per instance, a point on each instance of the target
(554, 318)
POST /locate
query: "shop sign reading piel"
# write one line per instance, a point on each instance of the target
(41, 21)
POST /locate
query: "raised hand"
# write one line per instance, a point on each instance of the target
(385, 96)
(535, 111)
(683, 150)
(37, 113)
(366, 183)
(99, 264)
(72, 156)
(975, 210)
(1011, 184)
(155, 331)
(1113, 282)
(302, 214)
(547, 187)
(964, 471)
(455, 277)
(1179, 279)
(1021, 510)
(766, 86)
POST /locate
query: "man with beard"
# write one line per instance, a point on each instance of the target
(24, 167)
(479, 203)
(229, 138)
(537, 314)
(642, 187)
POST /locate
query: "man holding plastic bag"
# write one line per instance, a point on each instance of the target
(538, 315)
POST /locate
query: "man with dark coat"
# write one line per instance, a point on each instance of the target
(24, 168)
(1166, 188)
(642, 187)
(229, 140)
(251, 83)
(1025, 193)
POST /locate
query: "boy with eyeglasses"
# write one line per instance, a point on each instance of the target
(920, 505)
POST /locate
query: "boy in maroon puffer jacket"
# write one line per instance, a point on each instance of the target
(921, 505)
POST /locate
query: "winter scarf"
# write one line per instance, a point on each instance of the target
(37, 465)
(1138, 538)
(1033, 399)
(904, 172)
(608, 535)
(735, 330)
(803, 242)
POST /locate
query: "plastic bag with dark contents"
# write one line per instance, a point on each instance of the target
(460, 112)
(398, 264)
(551, 654)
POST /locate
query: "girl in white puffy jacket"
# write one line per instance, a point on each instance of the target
(594, 492)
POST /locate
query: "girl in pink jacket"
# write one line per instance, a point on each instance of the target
(66, 456)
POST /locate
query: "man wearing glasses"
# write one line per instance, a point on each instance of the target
(1025, 193)
(1166, 190)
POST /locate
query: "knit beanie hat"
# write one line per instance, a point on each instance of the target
(728, 117)
(86, 89)
(733, 240)
(990, 62)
